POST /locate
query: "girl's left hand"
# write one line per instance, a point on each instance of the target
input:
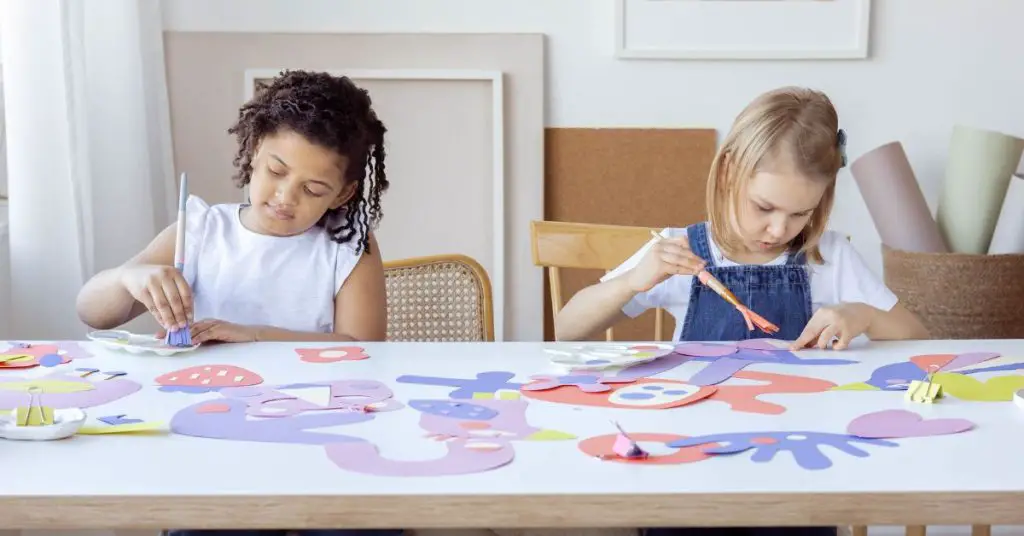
(210, 330)
(844, 322)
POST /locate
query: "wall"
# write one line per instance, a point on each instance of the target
(933, 63)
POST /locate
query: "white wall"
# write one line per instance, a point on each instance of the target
(933, 63)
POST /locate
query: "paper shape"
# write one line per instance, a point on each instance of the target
(463, 457)
(33, 415)
(68, 351)
(697, 349)
(125, 428)
(923, 391)
(603, 447)
(978, 170)
(898, 376)
(895, 201)
(746, 398)
(625, 447)
(588, 383)
(485, 382)
(804, 446)
(235, 425)
(332, 354)
(900, 423)
(604, 355)
(501, 420)
(287, 400)
(206, 378)
(997, 389)
(60, 390)
(1008, 236)
(765, 345)
(114, 420)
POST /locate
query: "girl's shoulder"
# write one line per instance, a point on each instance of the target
(835, 246)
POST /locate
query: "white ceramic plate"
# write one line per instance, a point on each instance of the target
(66, 423)
(597, 356)
(135, 343)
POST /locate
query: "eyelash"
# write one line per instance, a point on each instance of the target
(801, 215)
(308, 191)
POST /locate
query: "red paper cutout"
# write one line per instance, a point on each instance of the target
(932, 361)
(202, 378)
(602, 447)
(213, 407)
(332, 354)
(745, 397)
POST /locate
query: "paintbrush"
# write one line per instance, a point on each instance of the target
(750, 317)
(183, 336)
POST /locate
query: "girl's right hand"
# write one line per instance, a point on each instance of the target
(164, 292)
(667, 257)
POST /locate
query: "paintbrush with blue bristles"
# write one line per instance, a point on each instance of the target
(183, 336)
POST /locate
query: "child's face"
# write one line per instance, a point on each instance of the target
(774, 206)
(294, 182)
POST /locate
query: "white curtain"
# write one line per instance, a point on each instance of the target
(90, 171)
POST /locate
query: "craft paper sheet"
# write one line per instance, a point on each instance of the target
(1008, 236)
(894, 199)
(978, 173)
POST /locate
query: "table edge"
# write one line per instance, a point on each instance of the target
(511, 511)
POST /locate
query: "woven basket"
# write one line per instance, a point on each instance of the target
(960, 296)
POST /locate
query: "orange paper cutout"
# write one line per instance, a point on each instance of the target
(331, 355)
(664, 394)
(601, 447)
(932, 361)
(745, 397)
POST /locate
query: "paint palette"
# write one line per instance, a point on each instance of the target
(137, 344)
(66, 423)
(605, 356)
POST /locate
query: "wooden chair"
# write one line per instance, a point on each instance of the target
(439, 298)
(558, 245)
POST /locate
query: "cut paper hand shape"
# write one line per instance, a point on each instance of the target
(725, 359)
(60, 390)
(477, 436)
(953, 372)
(207, 378)
(485, 382)
(657, 393)
(26, 355)
(804, 446)
(333, 354)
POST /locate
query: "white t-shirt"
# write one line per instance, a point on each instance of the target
(843, 277)
(248, 278)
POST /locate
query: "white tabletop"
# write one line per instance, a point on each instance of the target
(92, 469)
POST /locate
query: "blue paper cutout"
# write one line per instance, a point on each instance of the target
(996, 368)
(114, 420)
(192, 389)
(896, 376)
(805, 446)
(485, 382)
(50, 360)
(454, 410)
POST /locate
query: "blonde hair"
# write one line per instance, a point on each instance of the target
(801, 122)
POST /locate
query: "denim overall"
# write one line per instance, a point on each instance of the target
(781, 294)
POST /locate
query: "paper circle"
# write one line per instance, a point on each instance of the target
(601, 447)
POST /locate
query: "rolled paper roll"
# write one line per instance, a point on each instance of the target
(1008, 236)
(895, 202)
(977, 175)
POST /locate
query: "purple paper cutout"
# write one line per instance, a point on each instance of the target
(719, 370)
(454, 410)
(191, 389)
(505, 420)
(102, 392)
(653, 368)
(900, 423)
(697, 349)
(906, 371)
(51, 360)
(805, 446)
(485, 382)
(968, 359)
(996, 368)
(268, 401)
(588, 383)
(115, 420)
(234, 424)
(461, 459)
(764, 345)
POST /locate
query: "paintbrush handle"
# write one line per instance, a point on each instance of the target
(719, 288)
(179, 244)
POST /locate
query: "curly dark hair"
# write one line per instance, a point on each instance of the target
(330, 111)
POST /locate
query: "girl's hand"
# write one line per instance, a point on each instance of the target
(667, 257)
(210, 330)
(844, 322)
(163, 290)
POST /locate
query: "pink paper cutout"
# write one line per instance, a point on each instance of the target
(463, 457)
(204, 378)
(625, 447)
(968, 359)
(97, 391)
(900, 423)
(764, 345)
(333, 354)
(697, 349)
(588, 383)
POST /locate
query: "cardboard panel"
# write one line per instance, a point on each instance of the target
(649, 177)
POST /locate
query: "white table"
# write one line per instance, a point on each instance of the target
(168, 480)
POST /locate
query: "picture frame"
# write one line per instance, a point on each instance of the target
(742, 29)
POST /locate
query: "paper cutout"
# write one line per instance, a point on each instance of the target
(126, 428)
(602, 356)
(114, 420)
(625, 447)
(697, 349)
(997, 389)
(277, 401)
(900, 423)
(333, 354)
(805, 446)
(602, 447)
(503, 420)
(206, 378)
(234, 425)
(898, 376)
(588, 383)
(746, 398)
(463, 457)
(644, 393)
(61, 390)
(485, 382)
(25, 355)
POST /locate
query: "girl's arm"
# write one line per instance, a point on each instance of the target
(360, 308)
(897, 323)
(594, 309)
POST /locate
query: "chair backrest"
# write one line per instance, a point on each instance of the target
(442, 298)
(558, 245)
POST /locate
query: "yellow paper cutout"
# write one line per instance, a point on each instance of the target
(924, 391)
(502, 395)
(483, 396)
(997, 389)
(33, 416)
(549, 435)
(123, 428)
(858, 386)
(14, 358)
(47, 386)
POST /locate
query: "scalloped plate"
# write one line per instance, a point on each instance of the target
(136, 344)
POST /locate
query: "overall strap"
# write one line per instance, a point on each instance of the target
(800, 258)
(697, 234)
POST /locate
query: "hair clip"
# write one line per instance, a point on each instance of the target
(841, 141)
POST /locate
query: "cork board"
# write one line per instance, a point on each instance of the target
(646, 177)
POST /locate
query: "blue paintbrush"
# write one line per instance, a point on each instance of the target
(181, 337)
